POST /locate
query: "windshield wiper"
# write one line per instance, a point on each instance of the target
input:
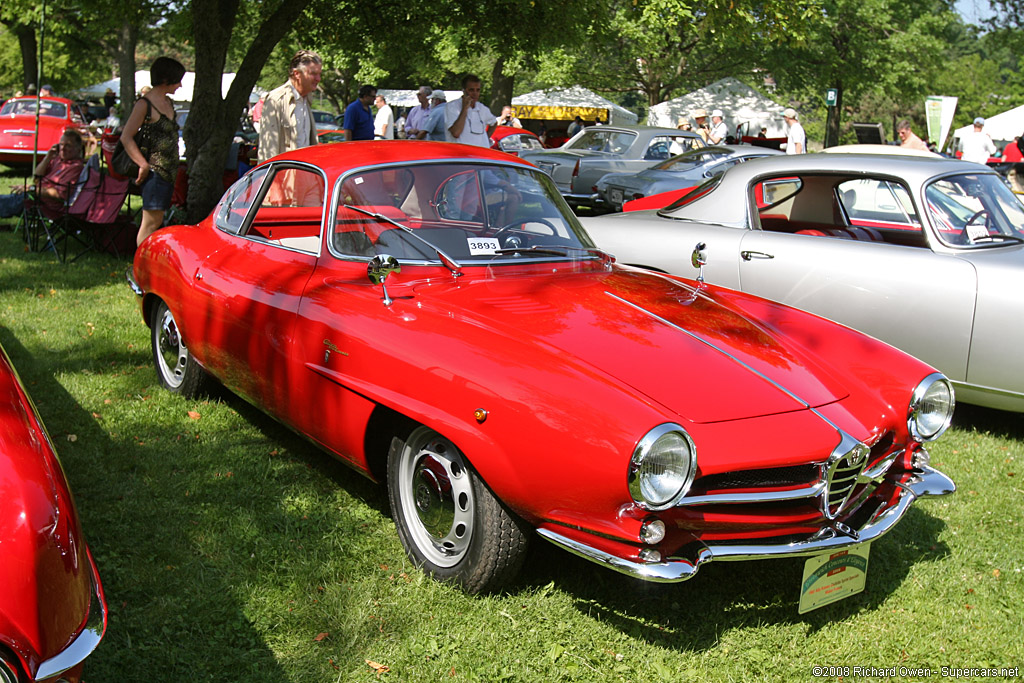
(451, 264)
(999, 237)
(557, 251)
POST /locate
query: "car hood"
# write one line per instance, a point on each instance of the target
(663, 337)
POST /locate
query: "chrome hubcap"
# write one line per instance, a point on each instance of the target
(437, 498)
(173, 355)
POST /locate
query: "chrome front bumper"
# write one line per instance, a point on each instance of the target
(927, 482)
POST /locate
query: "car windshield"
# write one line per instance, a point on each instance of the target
(598, 139)
(688, 160)
(28, 106)
(470, 212)
(974, 209)
(519, 143)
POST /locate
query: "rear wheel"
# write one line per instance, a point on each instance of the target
(8, 668)
(175, 367)
(448, 520)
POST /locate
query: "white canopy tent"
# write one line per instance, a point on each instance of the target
(740, 104)
(565, 104)
(407, 98)
(1001, 127)
(184, 93)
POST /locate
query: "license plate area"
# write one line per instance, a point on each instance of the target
(833, 576)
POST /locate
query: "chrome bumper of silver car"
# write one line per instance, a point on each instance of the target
(926, 482)
(89, 637)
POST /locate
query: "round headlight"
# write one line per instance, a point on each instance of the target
(662, 467)
(931, 408)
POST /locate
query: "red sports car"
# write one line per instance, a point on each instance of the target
(18, 126)
(52, 609)
(514, 140)
(435, 316)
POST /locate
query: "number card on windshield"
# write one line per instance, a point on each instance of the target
(482, 245)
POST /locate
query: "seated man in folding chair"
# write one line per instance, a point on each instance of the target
(54, 176)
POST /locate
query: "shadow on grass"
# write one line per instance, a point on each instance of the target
(996, 422)
(161, 619)
(693, 615)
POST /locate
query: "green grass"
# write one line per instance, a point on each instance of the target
(231, 550)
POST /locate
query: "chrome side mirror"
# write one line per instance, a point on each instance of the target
(699, 259)
(378, 270)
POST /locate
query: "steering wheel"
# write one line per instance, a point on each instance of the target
(512, 228)
(970, 223)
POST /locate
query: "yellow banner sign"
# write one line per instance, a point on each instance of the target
(536, 111)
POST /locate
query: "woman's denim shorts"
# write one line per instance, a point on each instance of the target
(156, 193)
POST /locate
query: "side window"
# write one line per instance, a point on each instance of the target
(235, 205)
(658, 149)
(291, 211)
(883, 208)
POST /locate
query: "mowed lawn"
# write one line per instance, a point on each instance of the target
(232, 550)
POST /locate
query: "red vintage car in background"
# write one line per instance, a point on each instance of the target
(514, 140)
(435, 316)
(52, 609)
(18, 126)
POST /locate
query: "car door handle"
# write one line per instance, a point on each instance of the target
(751, 255)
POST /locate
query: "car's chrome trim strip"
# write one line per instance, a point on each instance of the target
(88, 639)
(926, 482)
(812, 491)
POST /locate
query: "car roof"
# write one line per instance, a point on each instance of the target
(340, 157)
(915, 170)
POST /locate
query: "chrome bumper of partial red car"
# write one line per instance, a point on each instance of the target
(88, 638)
(926, 482)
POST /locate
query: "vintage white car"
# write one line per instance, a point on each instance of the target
(924, 253)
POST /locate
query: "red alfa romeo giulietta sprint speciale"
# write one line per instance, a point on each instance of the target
(434, 315)
(52, 610)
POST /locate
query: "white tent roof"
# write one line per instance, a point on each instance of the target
(564, 104)
(1005, 126)
(184, 93)
(407, 98)
(739, 103)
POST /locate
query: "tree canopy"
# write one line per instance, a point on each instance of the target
(883, 56)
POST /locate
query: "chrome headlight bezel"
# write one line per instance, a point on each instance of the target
(924, 422)
(662, 442)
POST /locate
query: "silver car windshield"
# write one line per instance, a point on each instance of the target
(469, 212)
(974, 209)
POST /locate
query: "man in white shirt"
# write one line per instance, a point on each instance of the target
(466, 120)
(417, 118)
(977, 146)
(719, 131)
(384, 123)
(796, 140)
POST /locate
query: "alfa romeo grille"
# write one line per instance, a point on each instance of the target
(842, 478)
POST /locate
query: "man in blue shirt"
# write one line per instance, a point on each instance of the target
(358, 123)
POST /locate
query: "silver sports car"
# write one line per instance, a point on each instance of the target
(577, 165)
(681, 171)
(924, 253)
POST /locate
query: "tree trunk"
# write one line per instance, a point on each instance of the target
(832, 122)
(26, 35)
(128, 37)
(501, 87)
(213, 118)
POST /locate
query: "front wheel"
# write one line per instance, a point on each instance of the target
(176, 369)
(447, 519)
